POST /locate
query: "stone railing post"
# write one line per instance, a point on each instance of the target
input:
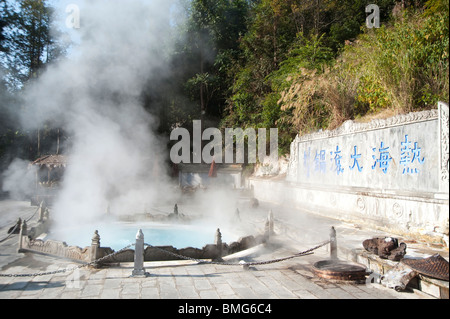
(218, 243)
(237, 215)
(41, 211)
(268, 227)
(139, 269)
(23, 233)
(333, 243)
(95, 245)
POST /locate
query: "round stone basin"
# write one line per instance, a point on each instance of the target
(120, 235)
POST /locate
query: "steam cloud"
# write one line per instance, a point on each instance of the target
(115, 159)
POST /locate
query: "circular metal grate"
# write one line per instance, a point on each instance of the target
(337, 270)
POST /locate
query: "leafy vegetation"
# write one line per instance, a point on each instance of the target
(297, 65)
(27, 45)
(324, 76)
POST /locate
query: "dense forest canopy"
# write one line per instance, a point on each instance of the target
(299, 65)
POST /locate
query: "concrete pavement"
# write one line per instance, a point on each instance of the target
(291, 279)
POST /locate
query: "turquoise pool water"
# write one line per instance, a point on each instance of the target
(118, 236)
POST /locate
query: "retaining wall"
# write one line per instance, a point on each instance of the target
(391, 173)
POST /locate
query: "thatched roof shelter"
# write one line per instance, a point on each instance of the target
(49, 170)
(51, 161)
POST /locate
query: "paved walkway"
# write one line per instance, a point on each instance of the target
(291, 279)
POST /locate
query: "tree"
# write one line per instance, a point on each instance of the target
(212, 34)
(265, 45)
(3, 23)
(29, 40)
(28, 44)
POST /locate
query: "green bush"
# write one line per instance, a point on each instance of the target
(403, 66)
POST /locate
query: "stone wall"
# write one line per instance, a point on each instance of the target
(391, 173)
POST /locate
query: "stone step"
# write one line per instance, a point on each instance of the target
(431, 286)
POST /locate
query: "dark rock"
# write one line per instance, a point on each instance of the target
(386, 248)
(234, 247)
(247, 242)
(397, 254)
(210, 252)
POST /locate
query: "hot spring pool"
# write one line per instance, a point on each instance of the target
(118, 236)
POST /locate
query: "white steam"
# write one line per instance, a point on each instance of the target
(115, 160)
(18, 180)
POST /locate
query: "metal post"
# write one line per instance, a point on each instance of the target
(333, 243)
(139, 269)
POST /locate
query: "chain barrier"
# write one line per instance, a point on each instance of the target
(301, 254)
(68, 269)
(224, 263)
(17, 225)
(10, 234)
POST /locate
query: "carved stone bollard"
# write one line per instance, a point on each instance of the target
(218, 243)
(41, 211)
(268, 227)
(95, 245)
(237, 215)
(333, 243)
(22, 234)
(46, 215)
(270, 221)
(139, 270)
